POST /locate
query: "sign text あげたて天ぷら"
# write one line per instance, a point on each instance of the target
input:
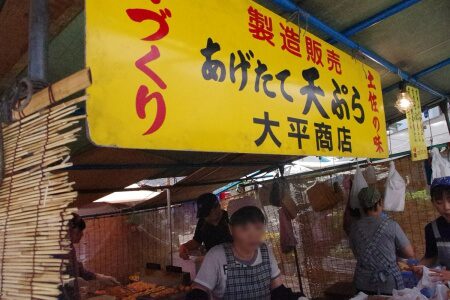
(205, 76)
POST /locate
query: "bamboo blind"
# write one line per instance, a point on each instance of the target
(34, 199)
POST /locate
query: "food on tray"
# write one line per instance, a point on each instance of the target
(141, 286)
(164, 293)
(403, 266)
(118, 291)
(100, 292)
(184, 288)
(135, 277)
(143, 289)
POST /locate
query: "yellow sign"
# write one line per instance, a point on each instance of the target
(225, 76)
(415, 127)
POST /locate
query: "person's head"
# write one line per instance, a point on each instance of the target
(76, 228)
(370, 201)
(440, 196)
(247, 226)
(208, 207)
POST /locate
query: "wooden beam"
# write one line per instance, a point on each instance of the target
(61, 89)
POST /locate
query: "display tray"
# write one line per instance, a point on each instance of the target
(179, 296)
(152, 283)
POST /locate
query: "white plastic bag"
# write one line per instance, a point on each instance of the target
(408, 294)
(440, 166)
(358, 184)
(360, 296)
(394, 193)
(436, 289)
(426, 281)
(370, 175)
(441, 292)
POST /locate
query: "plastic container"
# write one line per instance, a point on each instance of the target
(409, 279)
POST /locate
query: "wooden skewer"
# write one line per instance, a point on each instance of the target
(38, 119)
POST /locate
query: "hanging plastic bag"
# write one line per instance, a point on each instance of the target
(440, 166)
(394, 193)
(370, 175)
(358, 184)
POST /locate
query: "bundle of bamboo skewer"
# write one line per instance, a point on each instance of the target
(34, 202)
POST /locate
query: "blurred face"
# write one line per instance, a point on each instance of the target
(214, 215)
(442, 205)
(76, 235)
(380, 206)
(248, 236)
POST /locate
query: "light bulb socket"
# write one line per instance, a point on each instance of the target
(402, 86)
(404, 101)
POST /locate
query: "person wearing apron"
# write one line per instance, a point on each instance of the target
(244, 269)
(80, 276)
(375, 241)
(437, 233)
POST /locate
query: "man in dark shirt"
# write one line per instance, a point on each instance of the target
(437, 233)
(212, 226)
(443, 226)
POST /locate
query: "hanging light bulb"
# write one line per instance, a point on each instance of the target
(404, 101)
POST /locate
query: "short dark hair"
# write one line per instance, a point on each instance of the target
(246, 215)
(437, 193)
(372, 208)
(77, 222)
(206, 203)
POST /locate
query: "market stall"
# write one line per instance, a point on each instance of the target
(179, 99)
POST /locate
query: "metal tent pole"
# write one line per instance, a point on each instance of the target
(421, 73)
(390, 11)
(292, 7)
(38, 41)
(169, 218)
(299, 275)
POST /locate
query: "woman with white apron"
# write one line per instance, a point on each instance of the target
(375, 241)
(437, 233)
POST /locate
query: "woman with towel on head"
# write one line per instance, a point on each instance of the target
(375, 242)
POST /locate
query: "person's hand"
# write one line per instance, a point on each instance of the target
(107, 280)
(440, 275)
(418, 270)
(80, 281)
(197, 294)
(183, 251)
